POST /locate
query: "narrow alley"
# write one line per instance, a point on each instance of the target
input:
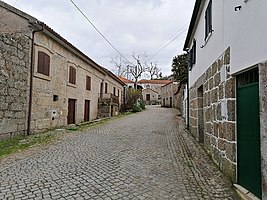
(147, 155)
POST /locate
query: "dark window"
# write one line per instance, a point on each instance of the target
(148, 97)
(88, 83)
(208, 19)
(192, 55)
(43, 63)
(114, 91)
(72, 75)
(106, 87)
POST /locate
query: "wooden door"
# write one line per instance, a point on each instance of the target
(248, 133)
(87, 110)
(71, 111)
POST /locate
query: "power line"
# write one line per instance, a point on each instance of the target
(99, 31)
(170, 38)
(168, 43)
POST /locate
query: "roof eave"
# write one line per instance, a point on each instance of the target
(192, 24)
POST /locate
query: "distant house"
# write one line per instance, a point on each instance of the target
(227, 95)
(154, 85)
(172, 95)
(45, 81)
(150, 96)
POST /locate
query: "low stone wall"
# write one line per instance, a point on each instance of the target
(212, 109)
(14, 83)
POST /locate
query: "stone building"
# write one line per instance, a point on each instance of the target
(227, 88)
(150, 97)
(155, 85)
(45, 81)
(172, 95)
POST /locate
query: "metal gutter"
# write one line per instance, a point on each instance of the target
(31, 79)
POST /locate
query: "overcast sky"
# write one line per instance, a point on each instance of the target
(132, 26)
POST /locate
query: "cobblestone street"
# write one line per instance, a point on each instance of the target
(146, 155)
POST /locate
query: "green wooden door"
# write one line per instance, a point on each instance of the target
(248, 138)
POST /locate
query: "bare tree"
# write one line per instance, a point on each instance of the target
(137, 69)
(153, 70)
(120, 64)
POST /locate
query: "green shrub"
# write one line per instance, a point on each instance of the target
(136, 108)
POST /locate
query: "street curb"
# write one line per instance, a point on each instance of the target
(244, 194)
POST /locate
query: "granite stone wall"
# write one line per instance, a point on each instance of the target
(263, 124)
(212, 113)
(14, 83)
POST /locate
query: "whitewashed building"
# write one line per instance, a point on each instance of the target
(227, 45)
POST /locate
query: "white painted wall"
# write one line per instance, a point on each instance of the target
(245, 31)
(213, 47)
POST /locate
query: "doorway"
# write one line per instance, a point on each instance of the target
(248, 132)
(87, 110)
(71, 111)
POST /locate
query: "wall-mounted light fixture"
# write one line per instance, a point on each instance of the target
(237, 8)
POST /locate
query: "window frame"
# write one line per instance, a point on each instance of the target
(43, 63)
(72, 75)
(106, 87)
(208, 20)
(88, 83)
(192, 55)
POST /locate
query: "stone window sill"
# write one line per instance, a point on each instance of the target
(42, 76)
(71, 85)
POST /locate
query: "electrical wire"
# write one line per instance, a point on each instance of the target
(99, 31)
(170, 38)
(167, 44)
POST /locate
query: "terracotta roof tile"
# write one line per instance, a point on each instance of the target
(163, 82)
(125, 80)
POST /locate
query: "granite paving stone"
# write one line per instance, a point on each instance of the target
(147, 155)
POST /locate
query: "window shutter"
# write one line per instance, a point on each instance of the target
(194, 53)
(88, 83)
(72, 75)
(208, 19)
(40, 66)
(46, 64)
(43, 63)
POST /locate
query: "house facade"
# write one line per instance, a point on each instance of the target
(150, 96)
(155, 85)
(227, 87)
(47, 82)
(172, 95)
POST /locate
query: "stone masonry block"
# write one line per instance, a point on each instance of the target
(216, 129)
(217, 79)
(219, 112)
(221, 91)
(211, 83)
(229, 131)
(214, 95)
(221, 144)
(230, 88)
(209, 128)
(231, 151)
(219, 63)
(208, 114)
(228, 168)
(226, 59)
(231, 110)
(214, 68)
